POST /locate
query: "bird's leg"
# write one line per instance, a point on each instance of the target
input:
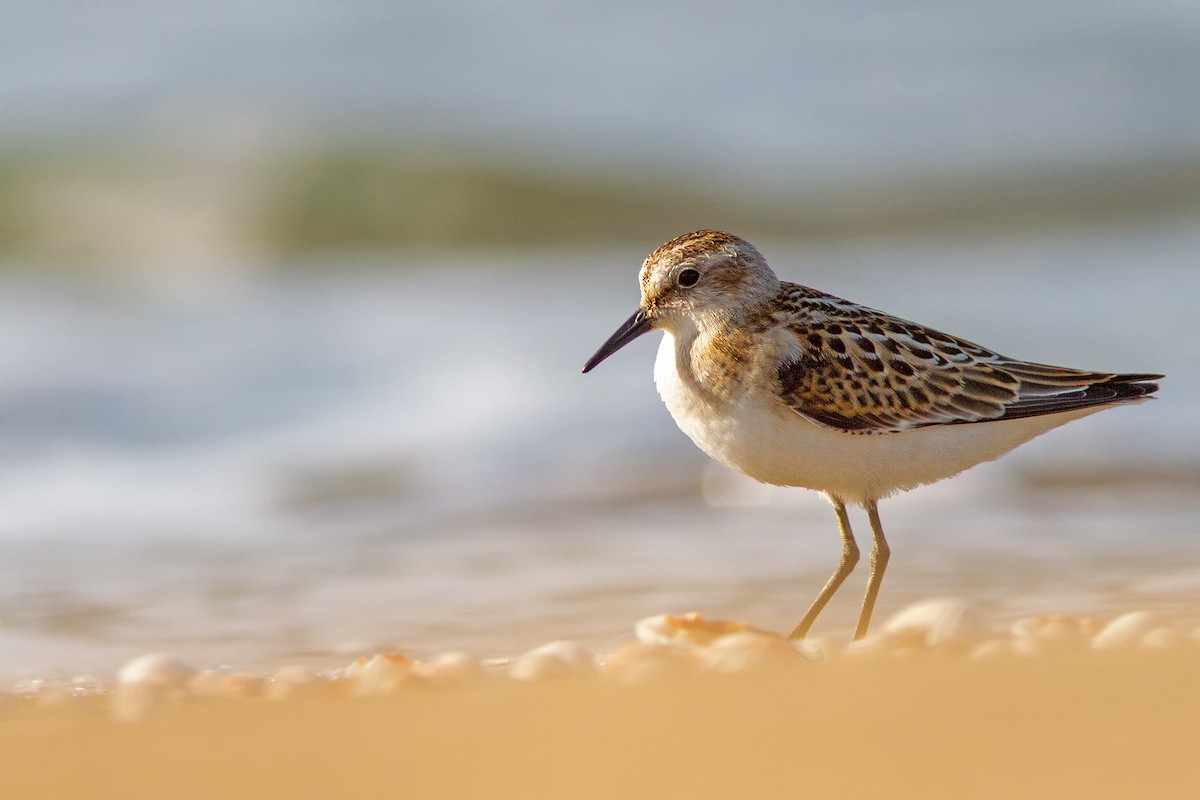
(879, 559)
(844, 568)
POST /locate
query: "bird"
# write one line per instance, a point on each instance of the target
(796, 387)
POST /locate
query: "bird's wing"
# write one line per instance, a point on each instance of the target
(862, 371)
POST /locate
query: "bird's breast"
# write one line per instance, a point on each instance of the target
(721, 400)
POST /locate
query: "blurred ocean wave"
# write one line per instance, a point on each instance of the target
(130, 212)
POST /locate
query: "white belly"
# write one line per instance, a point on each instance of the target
(757, 434)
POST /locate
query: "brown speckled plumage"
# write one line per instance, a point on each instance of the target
(864, 371)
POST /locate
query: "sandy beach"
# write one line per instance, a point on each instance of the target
(1051, 710)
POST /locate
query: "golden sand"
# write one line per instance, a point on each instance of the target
(897, 722)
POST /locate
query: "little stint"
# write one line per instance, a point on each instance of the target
(795, 387)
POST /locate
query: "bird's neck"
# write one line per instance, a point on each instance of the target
(710, 361)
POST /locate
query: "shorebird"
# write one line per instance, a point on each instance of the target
(796, 387)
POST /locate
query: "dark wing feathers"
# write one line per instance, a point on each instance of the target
(1111, 390)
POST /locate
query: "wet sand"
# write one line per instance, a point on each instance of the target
(896, 722)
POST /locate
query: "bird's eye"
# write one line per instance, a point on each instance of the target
(688, 277)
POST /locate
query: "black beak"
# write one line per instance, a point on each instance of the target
(632, 328)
